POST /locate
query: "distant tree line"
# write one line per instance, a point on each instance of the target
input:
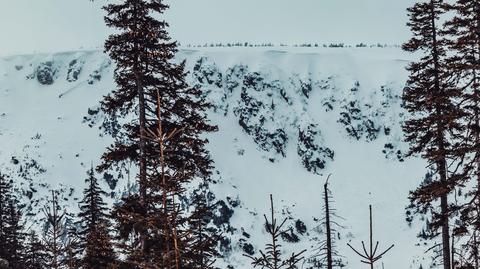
(299, 45)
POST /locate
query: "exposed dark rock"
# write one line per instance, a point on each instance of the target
(290, 236)
(222, 213)
(225, 244)
(248, 248)
(303, 87)
(111, 180)
(233, 202)
(45, 73)
(356, 123)
(254, 114)
(234, 77)
(15, 160)
(300, 227)
(74, 69)
(314, 156)
(94, 77)
(390, 150)
(207, 73)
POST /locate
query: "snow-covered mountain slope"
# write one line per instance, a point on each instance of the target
(287, 118)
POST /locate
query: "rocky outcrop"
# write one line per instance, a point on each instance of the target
(46, 72)
(270, 111)
(74, 69)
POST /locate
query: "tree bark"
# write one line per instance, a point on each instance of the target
(328, 228)
(142, 177)
(441, 163)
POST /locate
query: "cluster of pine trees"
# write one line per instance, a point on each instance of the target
(161, 121)
(65, 242)
(11, 230)
(442, 95)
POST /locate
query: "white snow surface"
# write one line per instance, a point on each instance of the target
(46, 123)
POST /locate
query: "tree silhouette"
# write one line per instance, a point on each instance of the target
(370, 256)
(271, 257)
(327, 254)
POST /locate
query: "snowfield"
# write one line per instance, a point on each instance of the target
(287, 118)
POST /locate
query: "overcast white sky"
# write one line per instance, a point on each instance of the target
(53, 25)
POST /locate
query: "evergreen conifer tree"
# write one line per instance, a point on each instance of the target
(95, 240)
(272, 256)
(73, 251)
(35, 256)
(202, 239)
(464, 29)
(11, 227)
(14, 236)
(430, 97)
(56, 233)
(163, 138)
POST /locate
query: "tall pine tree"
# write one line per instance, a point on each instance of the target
(430, 97)
(15, 236)
(152, 91)
(95, 241)
(464, 29)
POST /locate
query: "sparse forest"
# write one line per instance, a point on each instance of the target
(161, 118)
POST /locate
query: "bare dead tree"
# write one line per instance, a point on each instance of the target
(327, 254)
(371, 256)
(328, 226)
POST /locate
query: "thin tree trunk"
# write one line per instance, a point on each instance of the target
(328, 228)
(274, 244)
(55, 231)
(167, 222)
(476, 84)
(177, 249)
(453, 250)
(475, 251)
(371, 237)
(441, 163)
(142, 125)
